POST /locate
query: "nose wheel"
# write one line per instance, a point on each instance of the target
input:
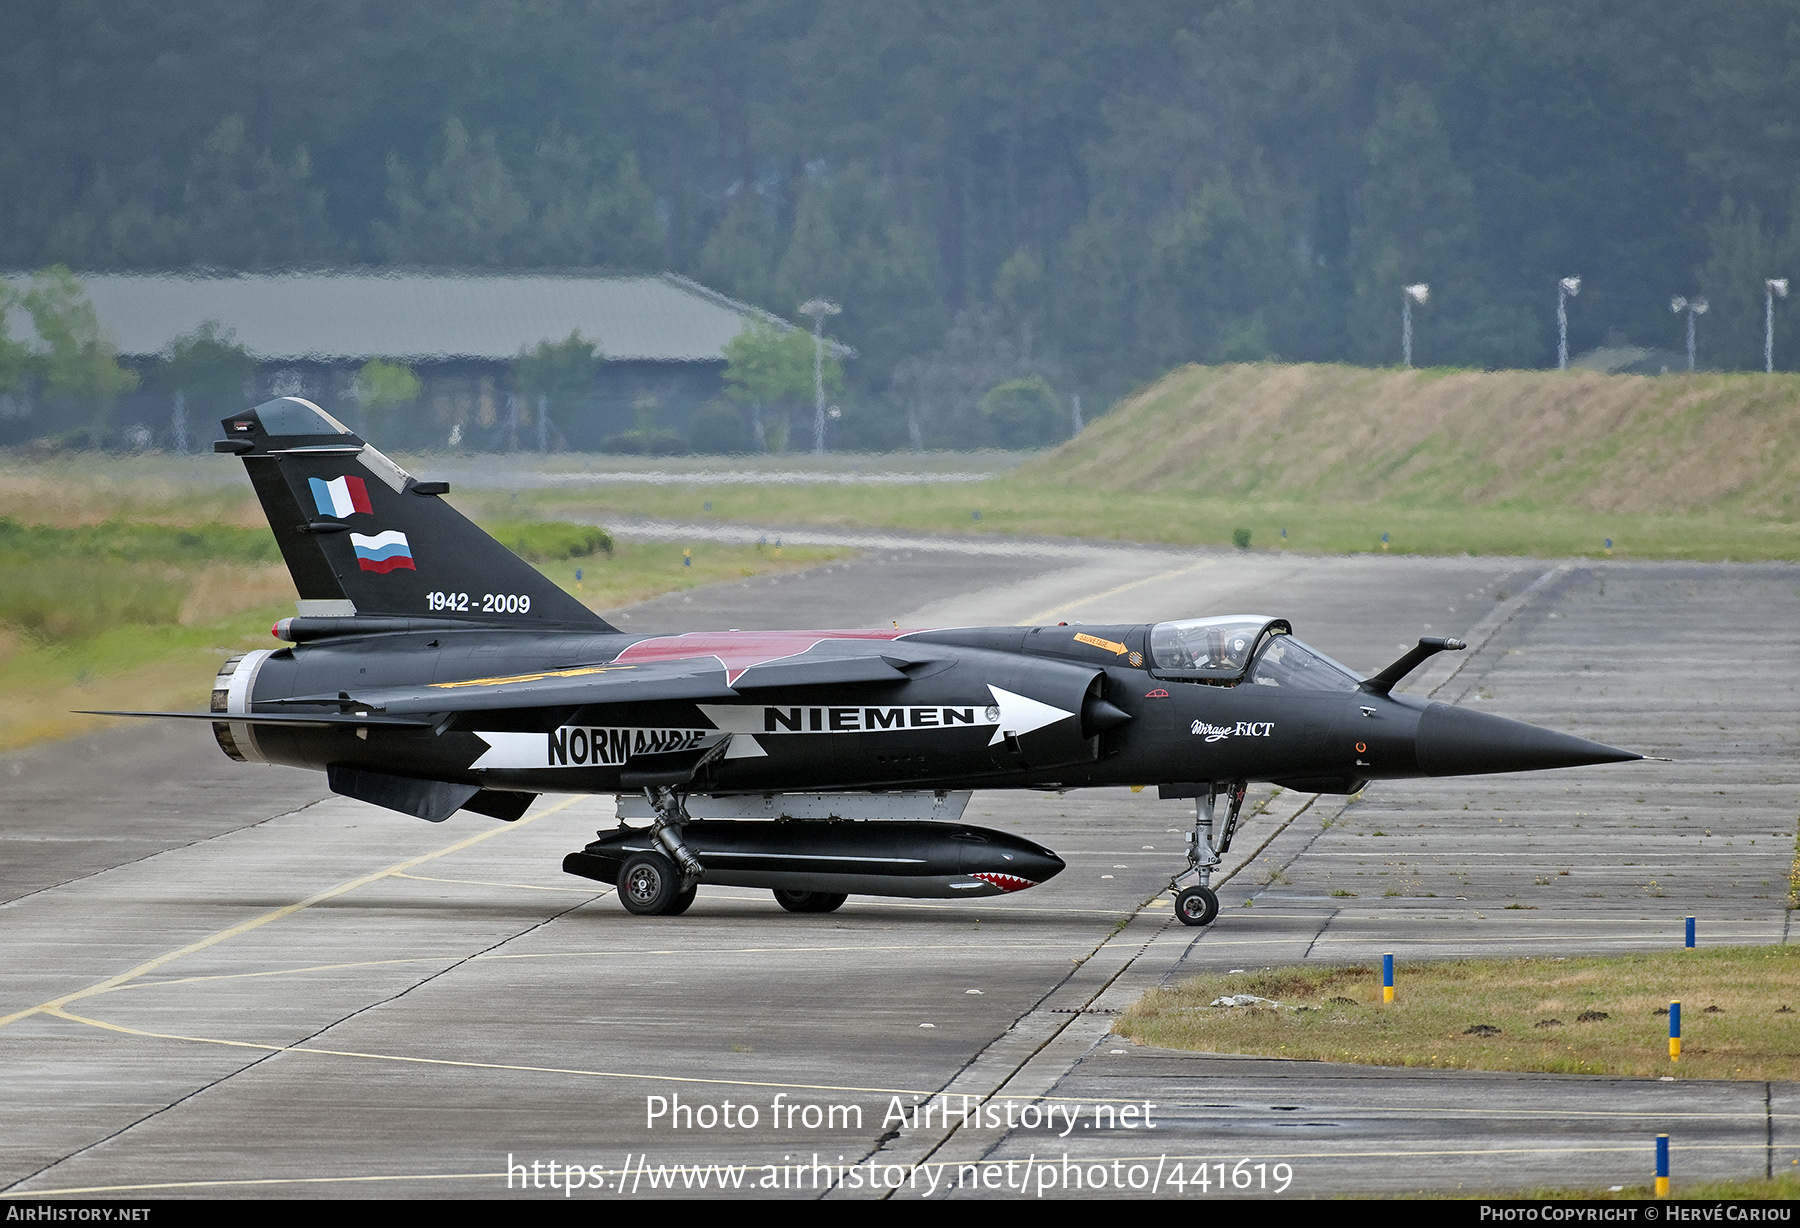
(1197, 906)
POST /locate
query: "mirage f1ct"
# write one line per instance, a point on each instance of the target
(431, 670)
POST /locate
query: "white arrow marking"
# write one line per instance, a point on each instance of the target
(532, 750)
(513, 750)
(1020, 716)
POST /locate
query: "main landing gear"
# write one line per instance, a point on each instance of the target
(662, 884)
(662, 881)
(1198, 904)
(650, 886)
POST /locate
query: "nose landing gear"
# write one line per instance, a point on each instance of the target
(1198, 904)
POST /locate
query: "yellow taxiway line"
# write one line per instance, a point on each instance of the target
(243, 927)
(1066, 606)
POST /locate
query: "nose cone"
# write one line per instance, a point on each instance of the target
(1009, 863)
(1457, 742)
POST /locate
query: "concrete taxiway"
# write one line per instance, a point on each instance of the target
(221, 980)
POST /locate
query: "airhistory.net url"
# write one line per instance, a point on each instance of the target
(1030, 1176)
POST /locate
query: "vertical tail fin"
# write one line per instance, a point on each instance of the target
(356, 528)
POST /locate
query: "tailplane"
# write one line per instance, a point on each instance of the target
(364, 537)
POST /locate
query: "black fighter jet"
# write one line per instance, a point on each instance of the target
(430, 670)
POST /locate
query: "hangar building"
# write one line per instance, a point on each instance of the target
(662, 338)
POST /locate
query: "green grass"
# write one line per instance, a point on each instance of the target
(66, 584)
(638, 571)
(1429, 1024)
(159, 667)
(539, 541)
(1013, 506)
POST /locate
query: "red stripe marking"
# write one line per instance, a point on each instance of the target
(739, 651)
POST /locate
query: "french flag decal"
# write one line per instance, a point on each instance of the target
(341, 497)
(383, 552)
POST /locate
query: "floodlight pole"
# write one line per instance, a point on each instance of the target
(1408, 296)
(1772, 286)
(1564, 288)
(818, 309)
(1693, 307)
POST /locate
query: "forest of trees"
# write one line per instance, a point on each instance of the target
(1050, 193)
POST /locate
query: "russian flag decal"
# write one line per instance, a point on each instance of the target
(341, 497)
(383, 552)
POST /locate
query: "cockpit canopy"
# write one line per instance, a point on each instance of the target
(1236, 648)
(1211, 647)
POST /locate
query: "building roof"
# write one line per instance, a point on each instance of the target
(415, 316)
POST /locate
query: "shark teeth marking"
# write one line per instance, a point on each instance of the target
(1006, 882)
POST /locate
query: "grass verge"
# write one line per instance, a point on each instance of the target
(1579, 1015)
(638, 571)
(166, 667)
(1015, 506)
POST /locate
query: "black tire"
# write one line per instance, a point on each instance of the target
(1197, 906)
(809, 901)
(680, 903)
(648, 884)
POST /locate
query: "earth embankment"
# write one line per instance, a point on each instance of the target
(1575, 440)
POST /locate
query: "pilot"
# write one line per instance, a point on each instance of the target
(1216, 657)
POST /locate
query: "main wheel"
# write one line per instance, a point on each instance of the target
(1197, 906)
(649, 884)
(809, 901)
